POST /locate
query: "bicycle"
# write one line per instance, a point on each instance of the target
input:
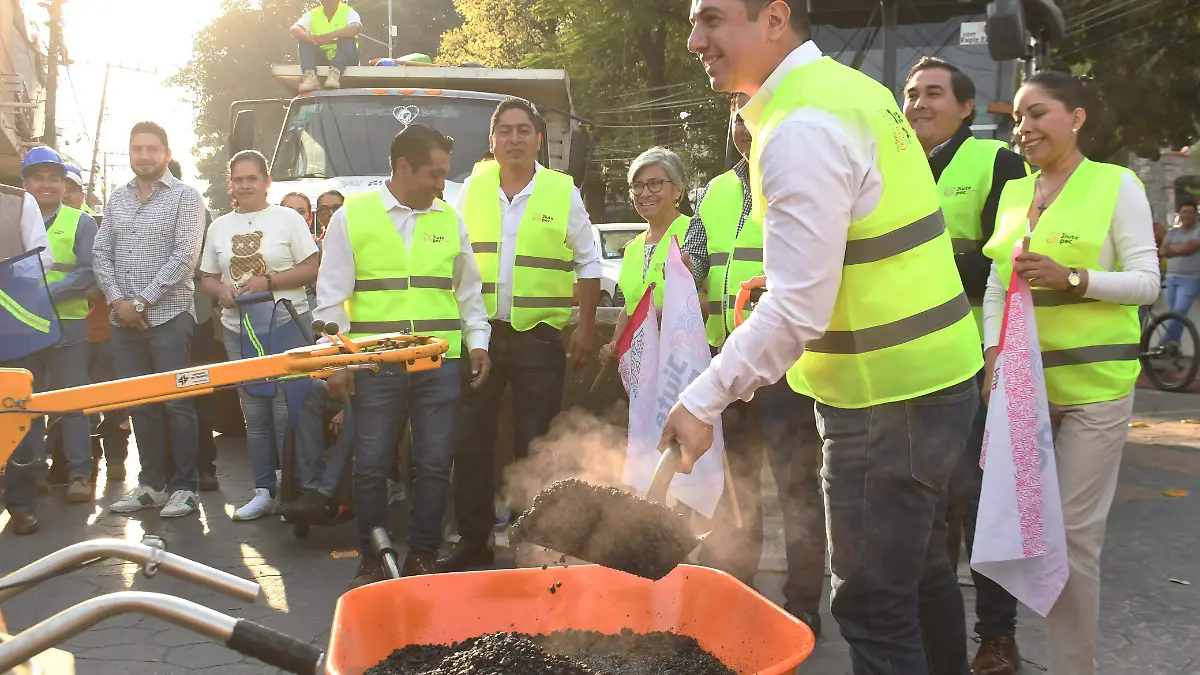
(1170, 365)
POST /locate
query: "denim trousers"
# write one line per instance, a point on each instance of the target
(159, 349)
(383, 402)
(114, 429)
(312, 56)
(326, 476)
(885, 474)
(1181, 295)
(534, 362)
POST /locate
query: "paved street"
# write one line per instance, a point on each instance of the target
(1149, 623)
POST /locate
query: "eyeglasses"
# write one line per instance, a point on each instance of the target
(654, 185)
(328, 210)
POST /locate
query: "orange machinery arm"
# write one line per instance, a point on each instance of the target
(19, 406)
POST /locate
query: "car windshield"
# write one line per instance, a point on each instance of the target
(328, 137)
(614, 242)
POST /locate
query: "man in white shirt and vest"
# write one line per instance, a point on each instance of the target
(725, 245)
(532, 238)
(399, 259)
(327, 35)
(865, 313)
(939, 102)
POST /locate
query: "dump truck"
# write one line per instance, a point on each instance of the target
(338, 139)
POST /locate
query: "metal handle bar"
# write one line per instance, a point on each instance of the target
(152, 556)
(246, 637)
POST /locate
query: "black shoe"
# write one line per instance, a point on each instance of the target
(310, 506)
(813, 621)
(369, 572)
(418, 563)
(464, 556)
(23, 523)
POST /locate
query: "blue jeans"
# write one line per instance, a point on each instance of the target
(266, 423)
(63, 366)
(21, 470)
(382, 403)
(114, 429)
(885, 474)
(310, 442)
(312, 56)
(1181, 294)
(161, 349)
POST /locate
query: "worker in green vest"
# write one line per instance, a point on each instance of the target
(865, 313)
(725, 242)
(74, 195)
(71, 233)
(532, 239)
(397, 258)
(939, 103)
(328, 36)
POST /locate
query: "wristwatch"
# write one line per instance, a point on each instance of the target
(138, 306)
(1073, 278)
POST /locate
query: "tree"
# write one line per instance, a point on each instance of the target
(232, 56)
(1144, 61)
(495, 34)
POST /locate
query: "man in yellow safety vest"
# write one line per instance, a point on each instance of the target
(327, 35)
(532, 238)
(397, 259)
(865, 313)
(725, 245)
(939, 102)
(71, 234)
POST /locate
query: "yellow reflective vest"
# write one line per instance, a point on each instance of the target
(62, 245)
(399, 288)
(323, 25)
(635, 277)
(1089, 347)
(720, 211)
(544, 265)
(901, 325)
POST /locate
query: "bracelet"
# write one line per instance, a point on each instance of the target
(270, 286)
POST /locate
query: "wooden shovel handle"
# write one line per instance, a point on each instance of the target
(664, 473)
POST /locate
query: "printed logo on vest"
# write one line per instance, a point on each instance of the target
(434, 238)
(543, 218)
(1063, 238)
(958, 191)
(900, 132)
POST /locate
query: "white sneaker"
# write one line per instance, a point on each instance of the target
(334, 79)
(261, 505)
(309, 82)
(139, 498)
(181, 503)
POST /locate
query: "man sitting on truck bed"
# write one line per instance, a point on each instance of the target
(328, 36)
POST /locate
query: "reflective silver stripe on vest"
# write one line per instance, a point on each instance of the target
(748, 254)
(436, 325)
(363, 285)
(1094, 354)
(964, 245)
(1048, 298)
(60, 267)
(718, 259)
(715, 308)
(545, 263)
(441, 283)
(377, 327)
(874, 249)
(485, 246)
(895, 333)
(489, 287)
(542, 303)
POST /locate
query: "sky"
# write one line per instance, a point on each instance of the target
(150, 35)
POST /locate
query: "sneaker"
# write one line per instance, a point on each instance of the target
(261, 505)
(309, 82)
(334, 79)
(208, 482)
(181, 503)
(139, 498)
(79, 491)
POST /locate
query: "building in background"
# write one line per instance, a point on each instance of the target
(22, 90)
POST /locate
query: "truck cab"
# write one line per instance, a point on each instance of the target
(338, 139)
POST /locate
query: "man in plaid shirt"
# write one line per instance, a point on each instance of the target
(144, 260)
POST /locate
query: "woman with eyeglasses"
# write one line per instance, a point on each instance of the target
(327, 205)
(656, 185)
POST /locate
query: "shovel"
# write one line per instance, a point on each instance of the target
(610, 527)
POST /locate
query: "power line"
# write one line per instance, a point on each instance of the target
(79, 108)
(1125, 31)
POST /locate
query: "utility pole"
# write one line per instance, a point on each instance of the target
(391, 29)
(50, 137)
(91, 191)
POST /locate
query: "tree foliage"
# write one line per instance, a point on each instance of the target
(232, 57)
(1144, 59)
(495, 34)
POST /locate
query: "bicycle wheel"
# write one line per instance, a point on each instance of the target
(1171, 366)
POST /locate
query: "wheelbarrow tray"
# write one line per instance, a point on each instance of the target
(749, 633)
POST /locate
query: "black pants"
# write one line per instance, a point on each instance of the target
(534, 363)
(206, 455)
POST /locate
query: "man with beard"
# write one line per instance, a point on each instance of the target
(145, 259)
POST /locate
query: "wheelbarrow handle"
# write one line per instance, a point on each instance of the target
(744, 297)
(664, 473)
(274, 648)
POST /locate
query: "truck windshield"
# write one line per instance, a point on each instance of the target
(328, 137)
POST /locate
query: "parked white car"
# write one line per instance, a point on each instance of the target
(611, 240)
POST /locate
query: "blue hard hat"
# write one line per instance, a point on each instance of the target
(42, 155)
(74, 174)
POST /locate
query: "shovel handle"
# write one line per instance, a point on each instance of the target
(664, 473)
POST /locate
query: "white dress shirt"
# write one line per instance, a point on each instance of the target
(33, 231)
(818, 176)
(335, 279)
(1128, 257)
(579, 238)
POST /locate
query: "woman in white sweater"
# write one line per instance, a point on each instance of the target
(1091, 262)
